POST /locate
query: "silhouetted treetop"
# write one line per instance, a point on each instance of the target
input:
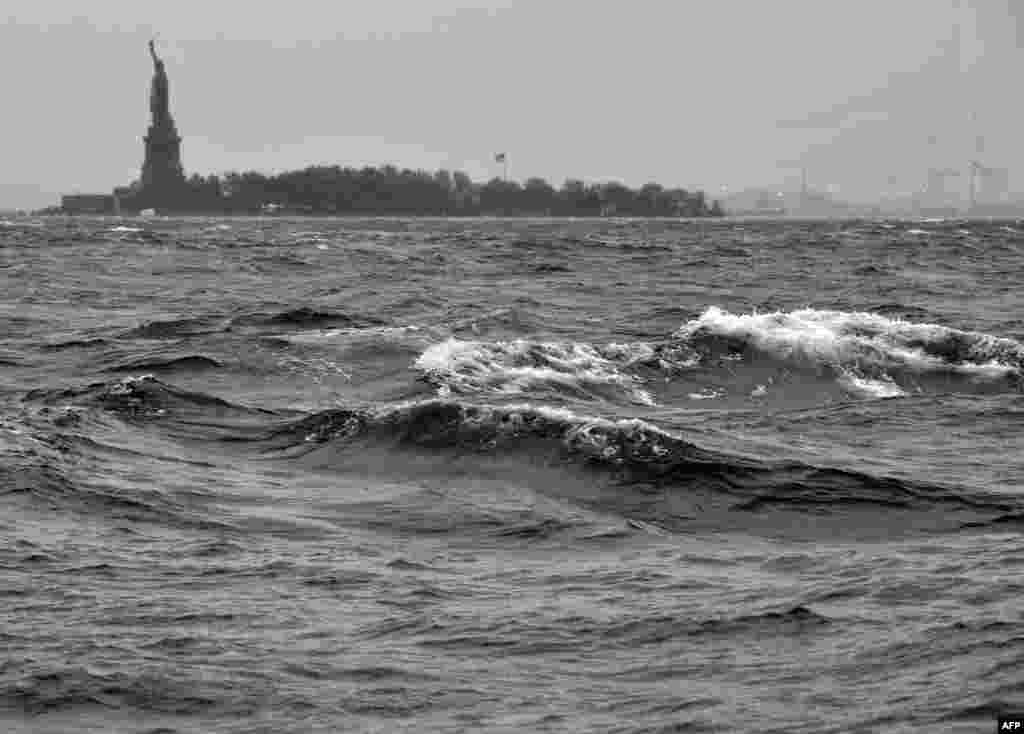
(338, 190)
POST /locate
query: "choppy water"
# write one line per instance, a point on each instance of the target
(599, 476)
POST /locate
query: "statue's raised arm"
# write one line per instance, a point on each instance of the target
(158, 104)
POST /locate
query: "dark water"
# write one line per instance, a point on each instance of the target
(598, 476)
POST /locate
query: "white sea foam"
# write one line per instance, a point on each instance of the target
(884, 387)
(515, 367)
(818, 338)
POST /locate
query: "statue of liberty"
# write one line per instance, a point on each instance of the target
(162, 172)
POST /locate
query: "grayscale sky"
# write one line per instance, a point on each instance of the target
(697, 93)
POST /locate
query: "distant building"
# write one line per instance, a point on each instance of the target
(88, 204)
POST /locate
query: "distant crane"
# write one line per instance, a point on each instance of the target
(991, 182)
(976, 171)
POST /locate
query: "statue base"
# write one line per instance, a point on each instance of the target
(162, 170)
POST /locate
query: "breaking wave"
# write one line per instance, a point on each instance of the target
(816, 338)
(869, 353)
(522, 366)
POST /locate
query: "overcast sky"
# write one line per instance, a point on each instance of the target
(695, 93)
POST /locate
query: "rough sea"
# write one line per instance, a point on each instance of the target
(397, 475)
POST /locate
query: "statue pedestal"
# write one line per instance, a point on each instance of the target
(162, 169)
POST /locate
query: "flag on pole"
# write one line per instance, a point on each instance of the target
(499, 157)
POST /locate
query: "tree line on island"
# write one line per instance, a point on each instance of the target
(386, 189)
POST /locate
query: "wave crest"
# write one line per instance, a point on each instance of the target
(866, 351)
(520, 366)
(820, 338)
(447, 424)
